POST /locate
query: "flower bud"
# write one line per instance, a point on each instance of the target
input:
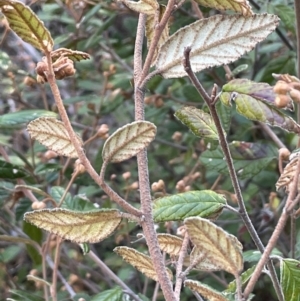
(126, 175)
(177, 136)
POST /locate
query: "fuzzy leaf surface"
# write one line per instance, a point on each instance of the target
(257, 110)
(170, 244)
(147, 7)
(206, 291)
(238, 6)
(201, 262)
(73, 55)
(114, 294)
(200, 123)
(11, 171)
(290, 279)
(140, 261)
(248, 158)
(215, 41)
(204, 203)
(128, 141)
(80, 227)
(223, 249)
(52, 133)
(25, 23)
(150, 30)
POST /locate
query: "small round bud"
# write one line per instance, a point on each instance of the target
(79, 167)
(284, 153)
(177, 136)
(187, 188)
(29, 81)
(281, 87)
(73, 278)
(103, 130)
(126, 175)
(196, 175)
(33, 272)
(181, 231)
(158, 102)
(134, 186)
(35, 205)
(154, 187)
(283, 101)
(113, 177)
(295, 95)
(180, 186)
(149, 100)
(49, 154)
(112, 69)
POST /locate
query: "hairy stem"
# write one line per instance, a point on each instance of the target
(142, 160)
(81, 154)
(225, 148)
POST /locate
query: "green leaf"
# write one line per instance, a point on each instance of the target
(200, 123)
(114, 294)
(11, 171)
(225, 114)
(290, 279)
(244, 278)
(205, 203)
(35, 234)
(287, 16)
(23, 206)
(259, 91)
(9, 253)
(73, 55)
(24, 22)
(255, 255)
(257, 110)
(79, 203)
(17, 119)
(248, 158)
(57, 193)
(19, 295)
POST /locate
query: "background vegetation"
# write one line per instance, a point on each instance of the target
(101, 92)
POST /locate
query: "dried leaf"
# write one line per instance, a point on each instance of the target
(287, 176)
(24, 22)
(147, 7)
(140, 261)
(215, 41)
(170, 244)
(221, 248)
(239, 6)
(73, 55)
(52, 133)
(200, 261)
(80, 227)
(150, 29)
(128, 141)
(200, 123)
(205, 290)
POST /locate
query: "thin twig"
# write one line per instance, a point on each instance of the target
(297, 14)
(179, 265)
(109, 273)
(53, 288)
(225, 148)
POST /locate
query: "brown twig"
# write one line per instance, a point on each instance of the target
(225, 148)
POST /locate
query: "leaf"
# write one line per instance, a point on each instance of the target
(260, 91)
(200, 261)
(205, 203)
(73, 55)
(215, 41)
(287, 16)
(290, 279)
(140, 261)
(17, 119)
(256, 110)
(114, 294)
(225, 114)
(200, 123)
(57, 192)
(248, 158)
(80, 227)
(25, 296)
(150, 30)
(52, 133)
(11, 171)
(25, 23)
(244, 279)
(170, 244)
(128, 141)
(206, 291)
(238, 6)
(255, 255)
(223, 249)
(147, 7)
